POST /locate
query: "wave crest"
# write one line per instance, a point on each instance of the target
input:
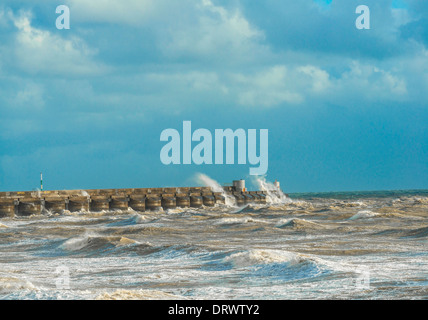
(8, 284)
(259, 256)
(298, 224)
(137, 295)
(96, 242)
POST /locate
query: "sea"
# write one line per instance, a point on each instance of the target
(347, 245)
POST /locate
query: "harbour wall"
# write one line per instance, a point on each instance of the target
(24, 203)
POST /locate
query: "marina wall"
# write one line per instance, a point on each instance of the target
(24, 203)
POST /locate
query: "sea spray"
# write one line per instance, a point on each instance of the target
(274, 194)
(216, 187)
(37, 193)
(263, 256)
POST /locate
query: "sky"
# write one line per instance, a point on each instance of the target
(346, 109)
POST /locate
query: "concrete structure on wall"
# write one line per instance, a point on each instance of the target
(143, 199)
(239, 185)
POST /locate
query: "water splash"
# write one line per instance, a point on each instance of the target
(274, 194)
(37, 193)
(216, 187)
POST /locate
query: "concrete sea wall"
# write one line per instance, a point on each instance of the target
(24, 203)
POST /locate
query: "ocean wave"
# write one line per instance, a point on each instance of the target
(276, 264)
(301, 203)
(10, 284)
(131, 221)
(187, 251)
(96, 243)
(231, 221)
(352, 204)
(138, 295)
(298, 224)
(249, 208)
(364, 214)
(423, 200)
(418, 233)
(47, 294)
(154, 230)
(260, 256)
(175, 211)
(275, 260)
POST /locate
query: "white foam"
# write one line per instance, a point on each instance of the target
(274, 195)
(8, 284)
(137, 218)
(84, 193)
(216, 187)
(137, 295)
(76, 244)
(174, 211)
(140, 218)
(262, 256)
(364, 214)
(224, 221)
(283, 222)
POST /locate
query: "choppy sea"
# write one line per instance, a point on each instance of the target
(355, 245)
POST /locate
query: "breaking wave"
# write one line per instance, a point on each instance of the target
(418, 233)
(216, 187)
(274, 195)
(364, 214)
(133, 220)
(259, 256)
(138, 295)
(277, 264)
(298, 224)
(8, 284)
(95, 243)
(242, 220)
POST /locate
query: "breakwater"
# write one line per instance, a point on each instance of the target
(24, 203)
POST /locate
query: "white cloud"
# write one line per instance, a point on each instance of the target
(31, 97)
(311, 85)
(401, 17)
(3, 19)
(42, 51)
(195, 33)
(372, 82)
(199, 30)
(320, 78)
(194, 81)
(212, 32)
(267, 88)
(233, 22)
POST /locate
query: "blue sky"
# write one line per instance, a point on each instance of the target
(346, 109)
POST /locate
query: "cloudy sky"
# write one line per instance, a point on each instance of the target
(346, 109)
